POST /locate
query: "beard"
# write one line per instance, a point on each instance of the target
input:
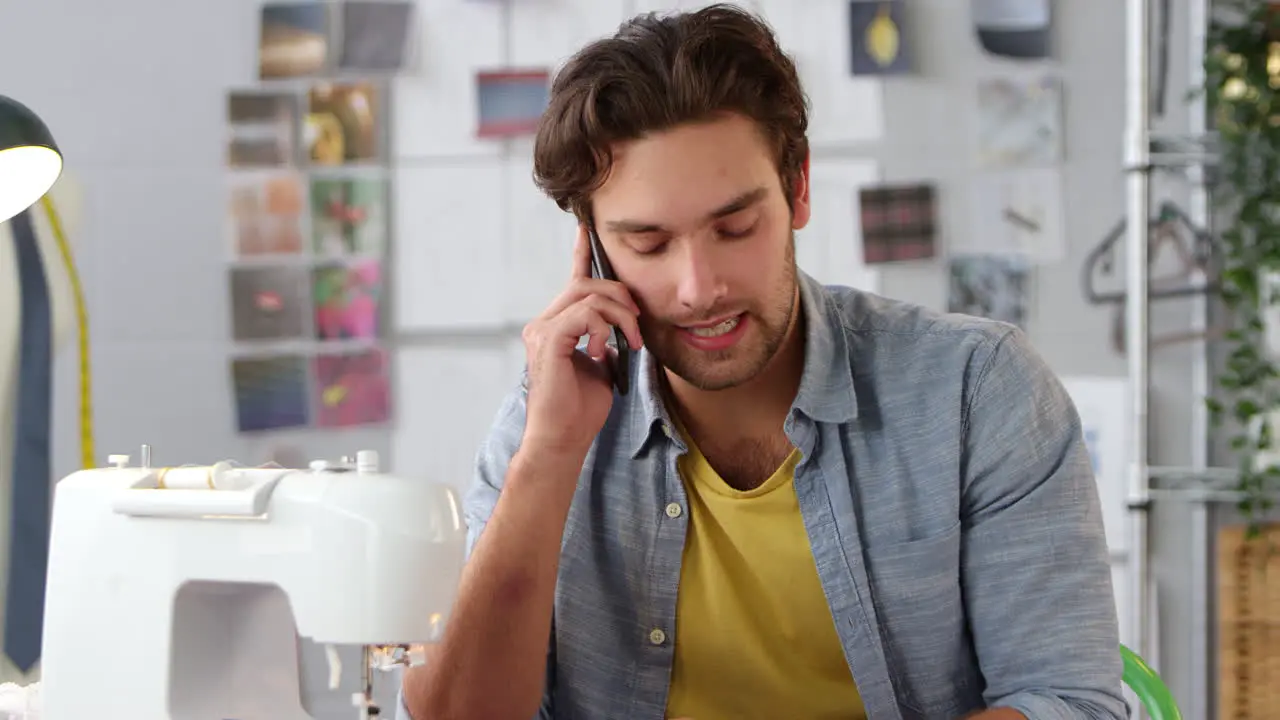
(767, 321)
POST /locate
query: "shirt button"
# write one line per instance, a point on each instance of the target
(674, 510)
(657, 637)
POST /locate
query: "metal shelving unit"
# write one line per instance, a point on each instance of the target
(1202, 486)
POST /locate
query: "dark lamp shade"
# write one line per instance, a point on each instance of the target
(29, 159)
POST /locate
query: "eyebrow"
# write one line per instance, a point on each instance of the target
(742, 202)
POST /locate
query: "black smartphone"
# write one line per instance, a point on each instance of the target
(620, 368)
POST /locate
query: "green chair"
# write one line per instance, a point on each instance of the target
(1149, 688)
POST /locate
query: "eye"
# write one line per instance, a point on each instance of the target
(648, 248)
(737, 231)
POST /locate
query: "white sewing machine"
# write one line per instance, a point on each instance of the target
(180, 593)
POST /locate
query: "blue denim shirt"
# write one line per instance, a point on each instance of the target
(948, 498)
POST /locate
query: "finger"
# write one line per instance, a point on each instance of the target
(617, 315)
(581, 254)
(594, 317)
(582, 288)
(569, 327)
(598, 342)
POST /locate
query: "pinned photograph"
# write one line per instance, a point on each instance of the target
(266, 214)
(511, 102)
(1019, 122)
(899, 222)
(877, 37)
(270, 392)
(269, 303)
(348, 298)
(375, 35)
(294, 40)
(352, 389)
(990, 286)
(342, 125)
(348, 216)
(263, 129)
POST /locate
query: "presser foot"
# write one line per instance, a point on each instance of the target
(383, 657)
(376, 657)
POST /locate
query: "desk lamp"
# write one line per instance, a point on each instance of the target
(30, 162)
(29, 165)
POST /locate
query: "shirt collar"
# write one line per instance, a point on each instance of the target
(826, 385)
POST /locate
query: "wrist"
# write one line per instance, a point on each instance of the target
(546, 463)
(550, 448)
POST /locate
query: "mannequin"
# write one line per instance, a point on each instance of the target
(66, 200)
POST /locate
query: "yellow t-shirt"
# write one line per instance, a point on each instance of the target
(754, 634)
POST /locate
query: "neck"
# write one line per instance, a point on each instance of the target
(754, 408)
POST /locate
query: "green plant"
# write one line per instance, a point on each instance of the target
(1242, 96)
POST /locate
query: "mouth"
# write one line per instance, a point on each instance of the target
(715, 328)
(716, 335)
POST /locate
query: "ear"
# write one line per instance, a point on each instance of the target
(800, 207)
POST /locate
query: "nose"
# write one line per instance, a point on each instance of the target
(701, 285)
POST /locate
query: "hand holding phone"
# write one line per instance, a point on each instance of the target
(570, 391)
(621, 363)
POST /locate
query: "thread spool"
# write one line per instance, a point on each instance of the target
(198, 477)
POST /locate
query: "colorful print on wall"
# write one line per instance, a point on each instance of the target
(877, 38)
(343, 124)
(266, 214)
(270, 392)
(352, 388)
(899, 222)
(375, 35)
(348, 217)
(347, 300)
(268, 303)
(294, 40)
(511, 101)
(263, 129)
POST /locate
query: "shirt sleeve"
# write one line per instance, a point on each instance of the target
(492, 459)
(1034, 561)
(481, 497)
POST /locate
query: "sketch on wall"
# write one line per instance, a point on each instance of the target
(1019, 121)
(990, 286)
(1018, 212)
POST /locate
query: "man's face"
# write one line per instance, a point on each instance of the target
(696, 224)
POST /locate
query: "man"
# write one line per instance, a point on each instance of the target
(813, 503)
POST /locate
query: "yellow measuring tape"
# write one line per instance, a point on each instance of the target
(82, 327)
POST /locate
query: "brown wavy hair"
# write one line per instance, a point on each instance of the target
(658, 72)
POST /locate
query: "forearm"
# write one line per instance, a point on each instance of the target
(492, 660)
